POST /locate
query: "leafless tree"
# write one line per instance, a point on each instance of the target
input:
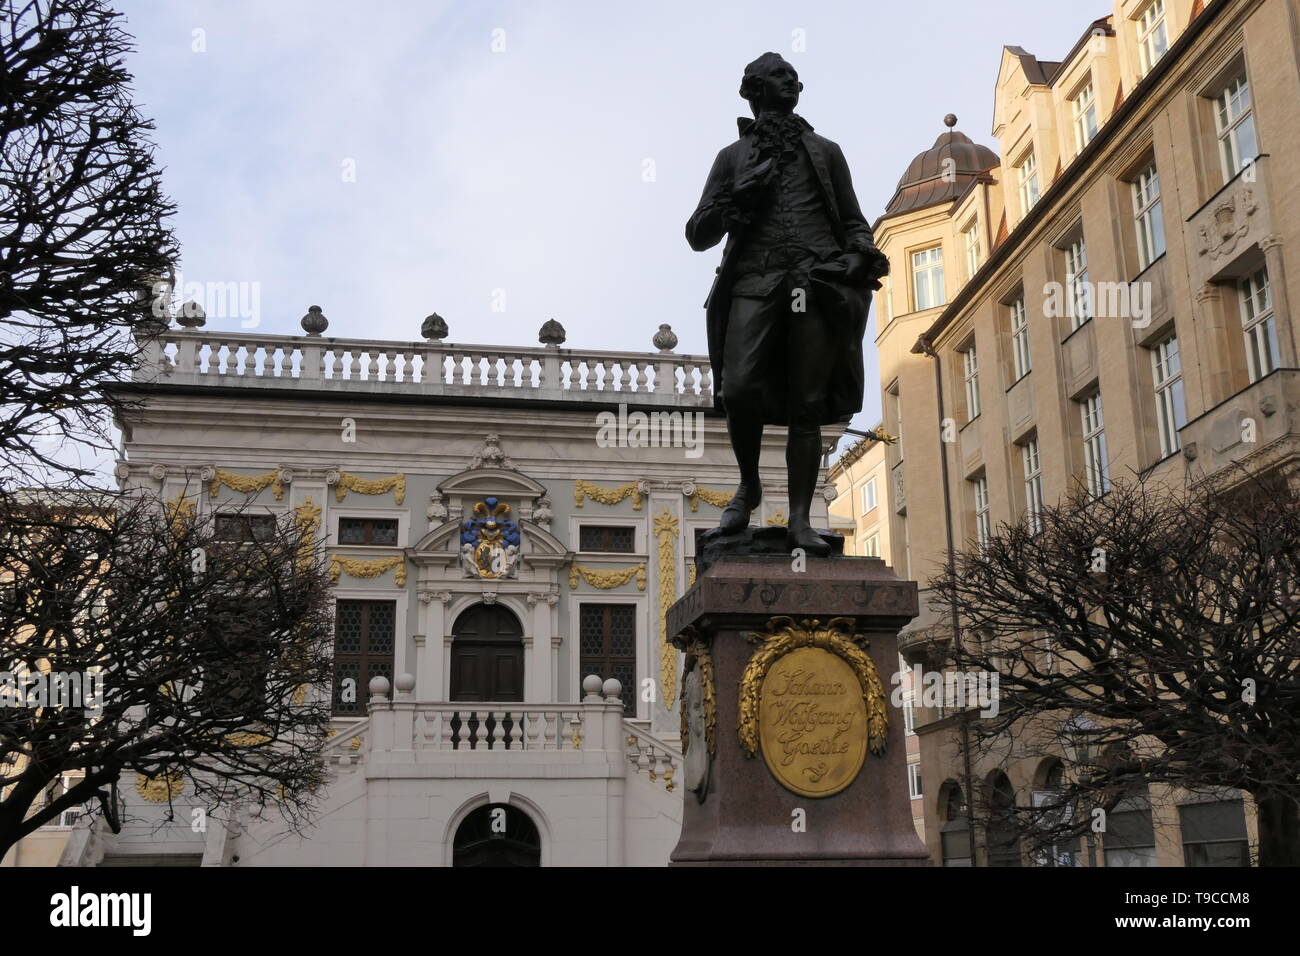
(207, 636)
(1149, 636)
(83, 231)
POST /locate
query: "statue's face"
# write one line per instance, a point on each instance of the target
(781, 87)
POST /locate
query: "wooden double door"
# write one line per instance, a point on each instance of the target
(487, 655)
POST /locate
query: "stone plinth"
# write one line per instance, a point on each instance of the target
(816, 682)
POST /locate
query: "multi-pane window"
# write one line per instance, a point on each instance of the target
(927, 278)
(607, 646)
(1257, 321)
(1171, 411)
(914, 780)
(1235, 121)
(909, 713)
(1148, 215)
(983, 526)
(1096, 466)
(1027, 175)
(869, 497)
(887, 298)
(363, 650)
(871, 547)
(1033, 468)
(1153, 35)
(244, 528)
(1084, 108)
(377, 531)
(593, 537)
(1214, 834)
(1077, 288)
(971, 373)
(970, 239)
(1020, 339)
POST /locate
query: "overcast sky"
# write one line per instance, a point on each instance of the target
(391, 158)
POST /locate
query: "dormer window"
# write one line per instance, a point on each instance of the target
(1153, 35)
(1027, 175)
(1084, 108)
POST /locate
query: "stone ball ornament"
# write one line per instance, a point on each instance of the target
(191, 316)
(612, 689)
(665, 340)
(551, 333)
(591, 685)
(434, 328)
(314, 322)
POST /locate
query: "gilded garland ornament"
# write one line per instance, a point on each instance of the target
(371, 486)
(160, 789)
(718, 499)
(307, 515)
(246, 484)
(180, 513)
(612, 578)
(665, 529)
(783, 637)
(699, 655)
(606, 496)
(358, 568)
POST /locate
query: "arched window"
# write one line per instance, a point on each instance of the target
(1047, 797)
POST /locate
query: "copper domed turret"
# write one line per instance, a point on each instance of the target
(942, 172)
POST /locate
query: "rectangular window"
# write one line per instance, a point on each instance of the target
(896, 400)
(364, 640)
(971, 373)
(1130, 839)
(983, 526)
(1149, 217)
(971, 245)
(1171, 412)
(1153, 36)
(887, 298)
(1020, 339)
(869, 495)
(909, 714)
(1257, 322)
(1027, 174)
(914, 780)
(871, 547)
(1234, 119)
(1033, 468)
(615, 538)
(1096, 466)
(1084, 108)
(1077, 288)
(1214, 834)
(377, 531)
(242, 529)
(927, 278)
(607, 646)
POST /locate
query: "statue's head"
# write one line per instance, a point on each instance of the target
(770, 83)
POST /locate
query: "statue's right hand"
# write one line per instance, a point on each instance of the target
(748, 183)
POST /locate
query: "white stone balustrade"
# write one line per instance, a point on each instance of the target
(310, 363)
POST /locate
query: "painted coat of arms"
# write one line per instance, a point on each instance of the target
(489, 541)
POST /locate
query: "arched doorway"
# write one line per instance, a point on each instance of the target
(497, 835)
(954, 835)
(1003, 833)
(487, 655)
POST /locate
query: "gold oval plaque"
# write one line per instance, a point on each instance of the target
(812, 722)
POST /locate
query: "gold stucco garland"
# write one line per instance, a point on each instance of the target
(307, 517)
(160, 789)
(247, 484)
(180, 513)
(606, 496)
(358, 568)
(718, 499)
(699, 655)
(371, 486)
(606, 579)
(784, 635)
(666, 532)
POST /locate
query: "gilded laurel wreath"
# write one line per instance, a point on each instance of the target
(782, 636)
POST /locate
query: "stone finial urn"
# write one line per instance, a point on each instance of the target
(314, 322)
(551, 333)
(434, 328)
(191, 315)
(665, 340)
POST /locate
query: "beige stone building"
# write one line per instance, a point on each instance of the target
(1109, 297)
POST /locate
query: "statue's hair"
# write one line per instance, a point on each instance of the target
(752, 80)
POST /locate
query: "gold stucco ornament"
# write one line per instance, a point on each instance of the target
(160, 789)
(811, 700)
(583, 489)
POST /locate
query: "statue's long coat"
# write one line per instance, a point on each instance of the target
(705, 229)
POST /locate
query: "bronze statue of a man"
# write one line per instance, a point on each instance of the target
(788, 309)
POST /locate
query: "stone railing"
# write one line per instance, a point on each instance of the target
(313, 363)
(652, 757)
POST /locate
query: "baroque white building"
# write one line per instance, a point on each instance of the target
(504, 555)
